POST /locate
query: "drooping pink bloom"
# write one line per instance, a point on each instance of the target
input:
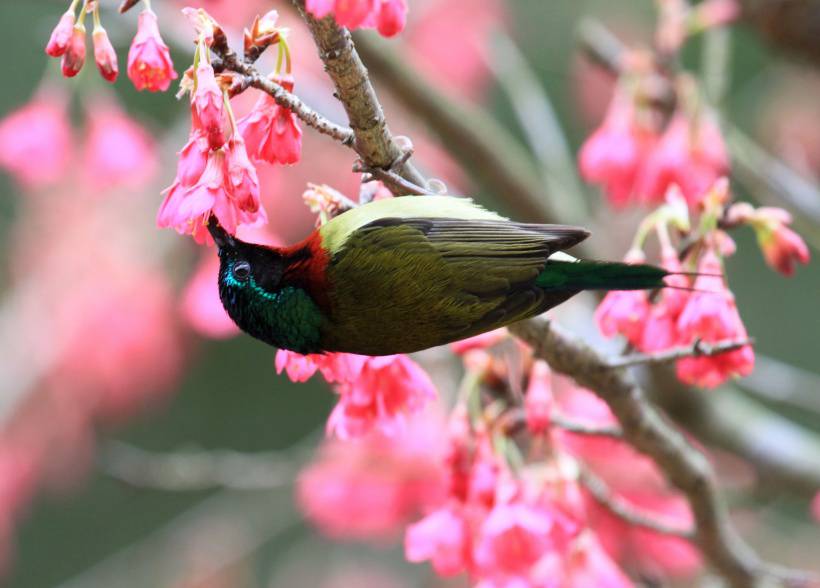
(660, 328)
(623, 312)
(782, 247)
(614, 154)
(118, 150)
(193, 158)
(690, 154)
(392, 17)
(61, 35)
(243, 182)
(387, 390)
(104, 55)
(711, 315)
(335, 367)
(443, 538)
(512, 539)
(371, 488)
(201, 307)
(272, 133)
(149, 60)
(538, 399)
(585, 564)
(208, 106)
(74, 56)
(35, 141)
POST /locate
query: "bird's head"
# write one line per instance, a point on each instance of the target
(250, 276)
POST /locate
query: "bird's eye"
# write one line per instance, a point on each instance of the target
(241, 270)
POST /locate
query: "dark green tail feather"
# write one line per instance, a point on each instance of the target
(600, 275)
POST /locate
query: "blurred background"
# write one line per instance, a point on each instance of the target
(110, 350)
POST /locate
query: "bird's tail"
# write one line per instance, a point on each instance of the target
(600, 275)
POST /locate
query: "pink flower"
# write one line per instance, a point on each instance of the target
(335, 367)
(586, 564)
(104, 55)
(272, 133)
(201, 307)
(538, 399)
(513, 537)
(371, 488)
(711, 315)
(623, 312)
(615, 152)
(443, 538)
(300, 368)
(193, 158)
(781, 246)
(74, 56)
(660, 329)
(35, 141)
(149, 61)
(243, 182)
(392, 17)
(691, 154)
(61, 35)
(227, 188)
(387, 390)
(208, 106)
(118, 150)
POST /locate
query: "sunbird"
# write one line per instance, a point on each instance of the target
(403, 274)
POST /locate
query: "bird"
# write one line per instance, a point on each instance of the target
(399, 275)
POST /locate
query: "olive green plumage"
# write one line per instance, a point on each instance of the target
(404, 274)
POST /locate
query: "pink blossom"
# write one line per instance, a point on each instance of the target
(690, 154)
(538, 399)
(227, 188)
(118, 150)
(512, 539)
(782, 247)
(586, 564)
(208, 106)
(711, 315)
(614, 153)
(660, 329)
(193, 158)
(35, 141)
(335, 367)
(104, 55)
(201, 307)
(387, 390)
(392, 17)
(443, 538)
(74, 56)
(271, 132)
(369, 489)
(149, 61)
(300, 368)
(623, 312)
(61, 35)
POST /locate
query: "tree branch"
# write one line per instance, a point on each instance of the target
(373, 140)
(626, 511)
(696, 349)
(647, 430)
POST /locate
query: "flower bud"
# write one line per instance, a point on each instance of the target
(61, 35)
(74, 56)
(104, 55)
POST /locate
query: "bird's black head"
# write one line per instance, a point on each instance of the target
(249, 275)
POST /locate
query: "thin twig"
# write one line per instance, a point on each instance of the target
(626, 511)
(391, 178)
(649, 432)
(697, 349)
(579, 428)
(230, 60)
(127, 5)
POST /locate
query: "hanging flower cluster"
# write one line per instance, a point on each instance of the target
(149, 61)
(215, 171)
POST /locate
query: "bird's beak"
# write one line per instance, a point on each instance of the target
(220, 235)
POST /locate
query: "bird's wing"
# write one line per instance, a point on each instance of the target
(447, 277)
(336, 232)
